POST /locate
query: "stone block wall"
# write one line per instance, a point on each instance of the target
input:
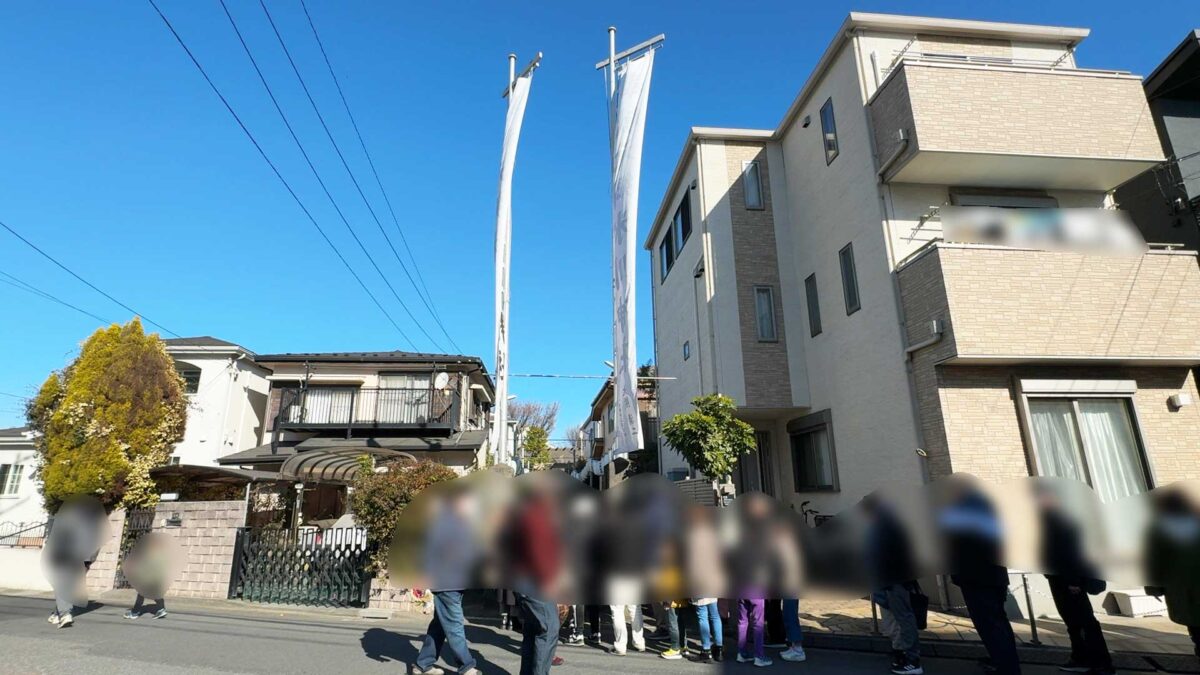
(206, 536)
(102, 575)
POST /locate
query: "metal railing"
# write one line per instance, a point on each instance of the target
(365, 407)
(909, 55)
(21, 535)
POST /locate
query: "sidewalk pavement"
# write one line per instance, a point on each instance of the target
(1143, 643)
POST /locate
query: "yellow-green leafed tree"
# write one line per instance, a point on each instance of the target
(109, 417)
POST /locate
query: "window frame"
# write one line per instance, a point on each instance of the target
(666, 254)
(687, 349)
(764, 442)
(681, 221)
(183, 373)
(812, 301)
(825, 135)
(1074, 391)
(747, 166)
(844, 255)
(770, 292)
(11, 476)
(821, 420)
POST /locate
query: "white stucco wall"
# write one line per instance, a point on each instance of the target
(26, 505)
(224, 416)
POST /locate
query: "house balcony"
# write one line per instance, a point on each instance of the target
(1006, 123)
(362, 409)
(986, 305)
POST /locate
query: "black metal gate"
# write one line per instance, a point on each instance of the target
(325, 568)
(137, 523)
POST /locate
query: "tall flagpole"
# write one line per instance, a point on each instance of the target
(628, 78)
(517, 93)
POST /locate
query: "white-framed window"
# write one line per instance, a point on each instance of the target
(814, 463)
(829, 132)
(1087, 430)
(764, 313)
(752, 185)
(10, 478)
(849, 279)
(174, 460)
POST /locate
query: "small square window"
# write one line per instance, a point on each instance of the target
(849, 279)
(687, 350)
(191, 380)
(814, 305)
(752, 185)
(174, 460)
(764, 312)
(829, 132)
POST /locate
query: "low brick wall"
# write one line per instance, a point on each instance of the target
(398, 599)
(207, 535)
(102, 575)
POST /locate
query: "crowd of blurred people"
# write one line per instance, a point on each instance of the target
(566, 557)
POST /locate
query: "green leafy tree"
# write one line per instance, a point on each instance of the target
(536, 449)
(710, 437)
(379, 498)
(107, 418)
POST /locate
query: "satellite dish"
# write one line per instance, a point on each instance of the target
(441, 380)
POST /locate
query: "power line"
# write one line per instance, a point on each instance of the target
(312, 167)
(371, 162)
(5, 393)
(89, 284)
(278, 175)
(350, 173)
(30, 288)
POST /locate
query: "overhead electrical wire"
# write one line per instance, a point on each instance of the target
(89, 284)
(279, 175)
(316, 174)
(370, 161)
(349, 172)
(30, 288)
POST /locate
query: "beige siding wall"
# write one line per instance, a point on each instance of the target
(1020, 112)
(764, 364)
(983, 427)
(949, 44)
(855, 367)
(1011, 302)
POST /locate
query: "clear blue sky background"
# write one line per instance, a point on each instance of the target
(117, 158)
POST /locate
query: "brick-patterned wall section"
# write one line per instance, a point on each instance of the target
(1053, 303)
(957, 108)
(102, 575)
(949, 44)
(984, 430)
(756, 263)
(207, 537)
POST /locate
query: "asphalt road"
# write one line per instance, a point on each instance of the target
(258, 640)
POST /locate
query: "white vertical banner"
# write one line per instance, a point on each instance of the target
(627, 119)
(517, 98)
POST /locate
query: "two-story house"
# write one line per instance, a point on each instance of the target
(227, 398)
(326, 410)
(803, 271)
(599, 426)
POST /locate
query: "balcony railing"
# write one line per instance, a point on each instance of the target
(368, 408)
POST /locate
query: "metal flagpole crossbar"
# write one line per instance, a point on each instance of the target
(627, 76)
(517, 95)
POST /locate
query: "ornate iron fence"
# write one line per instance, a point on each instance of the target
(137, 523)
(325, 568)
(23, 535)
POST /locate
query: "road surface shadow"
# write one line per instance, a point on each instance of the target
(382, 645)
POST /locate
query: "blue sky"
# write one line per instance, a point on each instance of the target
(116, 158)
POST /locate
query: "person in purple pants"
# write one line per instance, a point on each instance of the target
(751, 613)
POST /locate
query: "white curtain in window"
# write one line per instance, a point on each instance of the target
(1112, 449)
(326, 405)
(817, 467)
(1053, 424)
(403, 399)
